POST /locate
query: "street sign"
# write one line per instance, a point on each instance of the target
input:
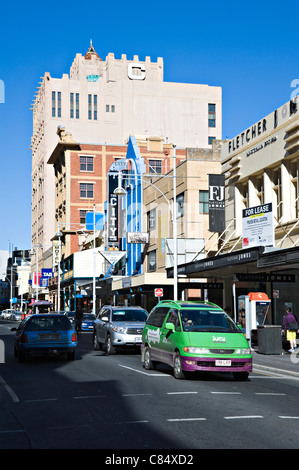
(113, 256)
(159, 292)
(275, 294)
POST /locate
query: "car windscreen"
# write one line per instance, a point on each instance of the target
(44, 323)
(129, 315)
(89, 316)
(207, 321)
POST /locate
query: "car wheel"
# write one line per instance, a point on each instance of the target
(148, 363)
(96, 346)
(177, 367)
(109, 347)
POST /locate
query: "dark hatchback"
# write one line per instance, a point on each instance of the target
(45, 334)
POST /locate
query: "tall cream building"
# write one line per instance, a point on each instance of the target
(106, 101)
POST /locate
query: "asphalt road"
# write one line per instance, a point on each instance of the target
(112, 402)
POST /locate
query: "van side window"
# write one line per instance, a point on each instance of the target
(173, 317)
(157, 316)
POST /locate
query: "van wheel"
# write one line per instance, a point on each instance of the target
(148, 363)
(241, 376)
(177, 367)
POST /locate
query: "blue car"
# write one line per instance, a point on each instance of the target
(45, 334)
(88, 321)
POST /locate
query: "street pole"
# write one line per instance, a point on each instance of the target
(94, 262)
(175, 246)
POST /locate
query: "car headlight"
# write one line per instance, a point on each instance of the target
(119, 329)
(194, 350)
(244, 351)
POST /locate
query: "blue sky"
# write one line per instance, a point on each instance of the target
(248, 48)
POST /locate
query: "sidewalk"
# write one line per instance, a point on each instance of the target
(285, 363)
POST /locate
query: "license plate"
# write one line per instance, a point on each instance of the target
(223, 362)
(45, 337)
(138, 339)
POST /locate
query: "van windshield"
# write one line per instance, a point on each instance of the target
(207, 321)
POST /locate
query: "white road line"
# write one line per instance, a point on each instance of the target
(144, 373)
(243, 417)
(271, 394)
(181, 393)
(186, 419)
(288, 417)
(227, 393)
(9, 390)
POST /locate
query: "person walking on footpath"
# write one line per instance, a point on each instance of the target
(290, 325)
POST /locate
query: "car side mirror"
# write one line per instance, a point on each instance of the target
(170, 326)
(13, 329)
(105, 319)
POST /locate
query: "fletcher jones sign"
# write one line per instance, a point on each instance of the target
(216, 203)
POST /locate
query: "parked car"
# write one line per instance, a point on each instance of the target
(6, 313)
(88, 321)
(118, 327)
(194, 336)
(15, 316)
(70, 315)
(45, 334)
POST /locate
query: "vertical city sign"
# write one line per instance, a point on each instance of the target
(112, 209)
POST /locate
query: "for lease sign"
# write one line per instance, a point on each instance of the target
(258, 227)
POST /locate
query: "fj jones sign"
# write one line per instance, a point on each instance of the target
(216, 203)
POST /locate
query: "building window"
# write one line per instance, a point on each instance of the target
(107, 108)
(86, 190)
(86, 163)
(77, 105)
(155, 166)
(152, 261)
(95, 107)
(112, 108)
(212, 115)
(83, 216)
(59, 104)
(71, 105)
(92, 107)
(53, 103)
(180, 205)
(210, 140)
(151, 219)
(203, 202)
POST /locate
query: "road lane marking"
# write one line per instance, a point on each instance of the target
(9, 390)
(186, 419)
(144, 373)
(288, 417)
(227, 393)
(181, 393)
(272, 394)
(243, 417)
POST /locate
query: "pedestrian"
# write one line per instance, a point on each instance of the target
(290, 325)
(78, 319)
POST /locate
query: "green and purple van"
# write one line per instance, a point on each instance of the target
(194, 336)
